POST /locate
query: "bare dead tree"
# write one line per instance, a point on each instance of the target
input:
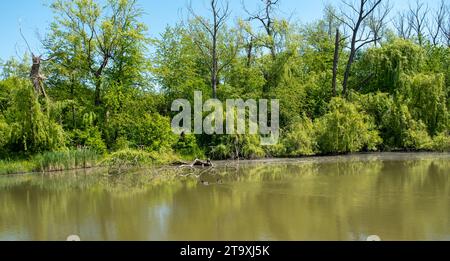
(248, 41)
(220, 13)
(336, 61)
(355, 16)
(417, 20)
(437, 23)
(446, 26)
(330, 20)
(36, 77)
(402, 25)
(266, 17)
(249, 46)
(377, 21)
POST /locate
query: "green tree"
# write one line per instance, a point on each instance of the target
(179, 69)
(91, 43)
(32, 130)
(346, 129)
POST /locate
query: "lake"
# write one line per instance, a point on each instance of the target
(397, 196)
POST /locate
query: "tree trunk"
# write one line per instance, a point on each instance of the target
(36, 77)
(215, 67)
(336, 62)
(98, 84)
(249, 53)
(347, 74)
(352, 55)
(215, 62)
(72, 95)
(273, 50)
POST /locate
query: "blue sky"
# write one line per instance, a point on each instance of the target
(35, 17)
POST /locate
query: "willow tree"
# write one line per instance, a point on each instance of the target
(29, 129)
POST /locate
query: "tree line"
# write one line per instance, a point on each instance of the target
(361, 78)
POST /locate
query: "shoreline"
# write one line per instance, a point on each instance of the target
(361, 156)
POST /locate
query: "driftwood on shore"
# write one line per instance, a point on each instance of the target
(197, 163)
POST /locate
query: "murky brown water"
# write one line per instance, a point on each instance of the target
(395, 196)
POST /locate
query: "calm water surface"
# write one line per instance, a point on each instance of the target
(395, 196)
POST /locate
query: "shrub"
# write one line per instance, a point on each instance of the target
(121, 144)
(400, 130)
(441, 142)
(426, 98)
(221, 152)
(300, 140)
(128, 158)
(345, 129)
(90, 137)
(417, 138)
(155, 133)
(376, 105)
(250, 147)
(5, 135)
(237, 146)
(187, 146)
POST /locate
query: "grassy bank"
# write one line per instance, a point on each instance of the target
(51, 161)
(116, 162)
(81, 159)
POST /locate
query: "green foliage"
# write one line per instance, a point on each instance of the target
(121, 144)
(16, 167)
(400, 130)
(52, 161)
(32, 130)
(426, 98)
(14, 68)
(250, 79)
(441, 142)
(250, 148)
(380, 68)
(417, 138)
(124, 160)
(346, 129)
(187, 146)
(155, 133)
(107, 93)
(65, 160)
(300, 140)
(238, 146)
(179, 68)
(5, 135)
(89, 136)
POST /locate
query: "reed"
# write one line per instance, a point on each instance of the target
(65, 160)
(15, 167)
(51, 161)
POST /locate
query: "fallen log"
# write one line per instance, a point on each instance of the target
(199, 163)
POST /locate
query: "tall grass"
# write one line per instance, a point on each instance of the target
(129, 159)
(73, 159)
(16, 167)
(51, 161)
